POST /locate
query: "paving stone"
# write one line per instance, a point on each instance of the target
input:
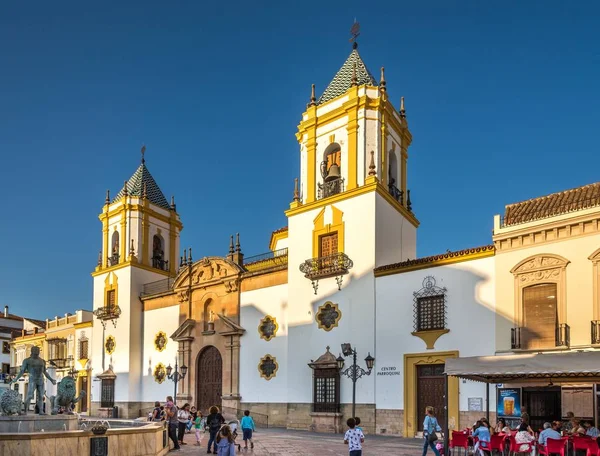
(282, 442)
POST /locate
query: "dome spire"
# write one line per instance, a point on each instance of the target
(354, 31)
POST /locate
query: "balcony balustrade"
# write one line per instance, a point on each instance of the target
(336, 265)
(113, 260)
(522, 338)
(159, 263)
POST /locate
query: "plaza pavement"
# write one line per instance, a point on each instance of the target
(284, 442)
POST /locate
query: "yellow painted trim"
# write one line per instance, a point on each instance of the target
(352, 129)
(276, 237)
(430, 337)
(173, 234)
(411, 361)
(403, 170)
(383, 142)
(320, 229)
(160, 373)
(84, 324)
(124, 241)
(145, 232)
(262, 322)
(26, 339)
(105, 244)
(145, 207)
(337, 320)
(165, 338)
(264, 358)
(443, 260)
(132, 264)
(109, 350)
(311, 160)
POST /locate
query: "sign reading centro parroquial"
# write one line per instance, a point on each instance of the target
(509, 402)
(388, 370)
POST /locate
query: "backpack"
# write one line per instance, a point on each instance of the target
(215, 423)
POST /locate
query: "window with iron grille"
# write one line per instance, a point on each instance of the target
(326, 394)
(107, 396)
(430, 306)
(83, 349)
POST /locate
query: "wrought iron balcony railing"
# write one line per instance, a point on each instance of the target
(515, 338)
(563, 335)
(107, 312)
(330, 188)
(396, 193)
(524, 338)
(336, 265)
(113, 260)
(60, 363)
(159, 263)
(595, 331)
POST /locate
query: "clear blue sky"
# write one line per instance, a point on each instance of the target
(502, 100)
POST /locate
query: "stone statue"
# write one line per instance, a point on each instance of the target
(10, 402)
(65, 396)
(36, 368)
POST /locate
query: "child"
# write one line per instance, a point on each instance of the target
(198, 428)
(247, 428)
(357, 419)
(225, 442)
(354, 438)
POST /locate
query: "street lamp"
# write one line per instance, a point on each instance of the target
(178, 374)
(72, 371)
(354, 372)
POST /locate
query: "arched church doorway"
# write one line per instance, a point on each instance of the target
(209, 378)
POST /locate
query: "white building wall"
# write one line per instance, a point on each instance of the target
(254, 306)
(396, 237)
(355, 300)
(470, 318)
(167, 321)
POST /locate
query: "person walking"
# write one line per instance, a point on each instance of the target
(183, 417)
(247, 428)
(171, 413)
(430, 427)
(198, 428)
(214, 421)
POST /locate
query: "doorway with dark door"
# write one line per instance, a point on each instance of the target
(209, 379)
(431, 389)
(83, 386)
(542, 405)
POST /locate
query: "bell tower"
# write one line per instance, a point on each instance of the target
(140, 243)
(353, 141)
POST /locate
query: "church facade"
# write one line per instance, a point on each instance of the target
(265, 332)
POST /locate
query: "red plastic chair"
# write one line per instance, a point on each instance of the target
(497, 443)
(592, 448)
(515, 447)
(556, 446)
(459, 440)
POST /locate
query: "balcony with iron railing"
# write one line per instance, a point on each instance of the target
(330, 188)
(266, 261)
(157, 287)
(336, 265)
(523, 338)
(595, 332)
(160, 263)
(113, 259)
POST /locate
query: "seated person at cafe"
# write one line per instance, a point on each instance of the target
(591, 430)
(483, 435)
(571, 424)
(501, 427)
(549, 432)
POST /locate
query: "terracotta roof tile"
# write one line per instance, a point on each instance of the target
(554, 204)
(281, 230)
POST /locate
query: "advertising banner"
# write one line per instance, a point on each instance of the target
(509, 402)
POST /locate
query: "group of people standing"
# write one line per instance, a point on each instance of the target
(221, 436)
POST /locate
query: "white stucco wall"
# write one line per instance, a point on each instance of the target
(255, 305)
(167, 321)
(470, 319)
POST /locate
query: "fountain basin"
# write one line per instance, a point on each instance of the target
(142, 441)
(35, 423)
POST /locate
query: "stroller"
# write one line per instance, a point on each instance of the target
(234, 425)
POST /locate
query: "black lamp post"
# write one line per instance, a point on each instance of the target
(72, 371)
(354, 372)
(176, 376)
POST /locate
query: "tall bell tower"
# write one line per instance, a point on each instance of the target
(140, 243)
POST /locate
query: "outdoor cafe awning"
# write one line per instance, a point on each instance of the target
(571, 366)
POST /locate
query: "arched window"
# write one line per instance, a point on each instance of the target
(393, 183)
(158, 253)
(331, 171)
(114, 249)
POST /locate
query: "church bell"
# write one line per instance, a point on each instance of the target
(334, 173)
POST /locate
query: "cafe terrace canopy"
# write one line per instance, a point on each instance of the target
(571, 366)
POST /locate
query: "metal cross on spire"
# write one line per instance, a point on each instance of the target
(143, 152)
(354, 31)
